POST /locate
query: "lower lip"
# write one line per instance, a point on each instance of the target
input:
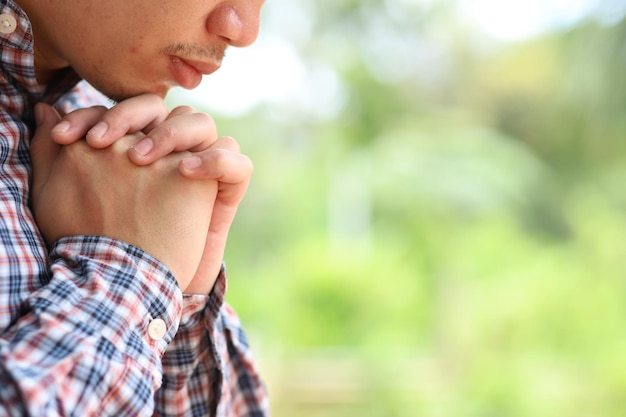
(184, 74)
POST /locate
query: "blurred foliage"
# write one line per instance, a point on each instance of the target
(450, 242)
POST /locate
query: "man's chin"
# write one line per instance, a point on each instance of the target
(120, 92)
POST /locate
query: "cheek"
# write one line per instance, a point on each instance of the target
(127, 68)
(138, 47)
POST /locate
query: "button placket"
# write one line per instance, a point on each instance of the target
(8, 24)
(157, 329)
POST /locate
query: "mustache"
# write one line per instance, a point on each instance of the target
(184, 50)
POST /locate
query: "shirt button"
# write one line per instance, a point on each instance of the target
(8, 24)
(157, 329)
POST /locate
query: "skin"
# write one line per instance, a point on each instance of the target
(124, 51)
(152, 203)
(112, 212)
(185, 223)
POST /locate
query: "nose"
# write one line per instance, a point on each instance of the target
(236, 22)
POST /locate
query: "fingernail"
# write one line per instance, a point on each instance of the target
(39, 114)
(62, 127)
(98, 130)
(144, 146)
(191, 163)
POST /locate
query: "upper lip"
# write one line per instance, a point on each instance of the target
(203, 67)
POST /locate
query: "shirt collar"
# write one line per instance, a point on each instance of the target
(18, 84)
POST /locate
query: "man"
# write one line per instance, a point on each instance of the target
(93, 320)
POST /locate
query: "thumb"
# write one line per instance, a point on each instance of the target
(43, 150)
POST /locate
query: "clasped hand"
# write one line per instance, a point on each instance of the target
(162, 181)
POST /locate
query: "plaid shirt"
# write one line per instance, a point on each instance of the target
(75, 322)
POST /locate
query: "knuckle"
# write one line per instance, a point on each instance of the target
(154, 98)
(226, 160)
(80, 114)
(165, 136)
(167, 132)
(218, 160)
(230, 143)
(148, 100)
(155, 101)
(206, 120)
(115, 116)
(184, 109)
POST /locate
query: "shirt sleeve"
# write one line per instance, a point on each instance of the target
(209, 369)
(90, 341)
(243, 386)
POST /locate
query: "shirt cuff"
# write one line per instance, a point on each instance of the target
(210, 304)
(120, 288)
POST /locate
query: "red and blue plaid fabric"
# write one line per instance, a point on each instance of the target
(74, 321)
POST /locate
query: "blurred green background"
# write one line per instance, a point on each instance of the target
(436, 224)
